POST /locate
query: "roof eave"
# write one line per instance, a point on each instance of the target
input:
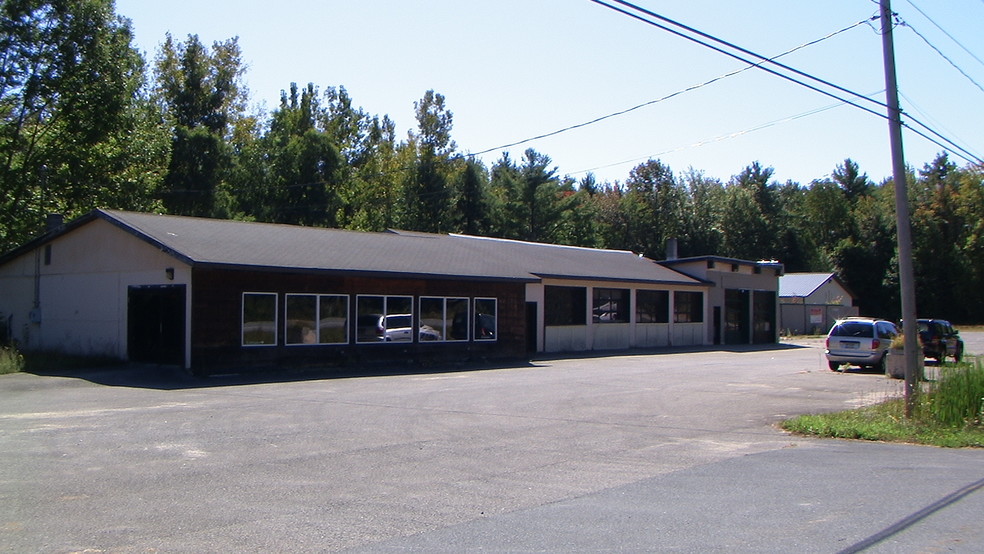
(364, 273)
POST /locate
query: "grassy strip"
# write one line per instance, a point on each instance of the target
(950, 414)
(12, 361)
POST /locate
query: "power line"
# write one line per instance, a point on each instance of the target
(668, 96)
(942, 55)
(957, 42)
(720, 138)
(923, 112)
(726, 44)
(955, 148)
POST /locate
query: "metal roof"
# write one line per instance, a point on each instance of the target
(227, 243)
(803, 284)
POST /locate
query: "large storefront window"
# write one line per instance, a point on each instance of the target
(316, 319)
(259, 323)
(565, 305)
(384, 319)
(610, 306)
(333, 316)
(443, 319)
(688, 307)
(652, 306)
(486, 319)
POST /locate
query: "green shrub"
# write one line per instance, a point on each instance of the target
(958, 396)
(11, 361)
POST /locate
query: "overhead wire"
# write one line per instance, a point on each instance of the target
(955, 148)
(723, 137)
(942, 55)
(663, 98)
(944, 31)
(763, 59)
(924, 114)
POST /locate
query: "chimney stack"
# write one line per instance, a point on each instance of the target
(671, 249)
(54, 222)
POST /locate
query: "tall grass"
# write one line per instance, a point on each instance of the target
(948, 413)
(11, 361)
(957, 398)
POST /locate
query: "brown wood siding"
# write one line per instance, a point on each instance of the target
(216, 314)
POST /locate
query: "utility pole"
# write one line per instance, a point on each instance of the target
(903, 228)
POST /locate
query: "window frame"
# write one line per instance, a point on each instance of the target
(619, 298)
(695, 313)
(664, 302)
(242, 319)
(575, 305)
(386, 312)
(495, 319)
(317, 323)
(447, 323)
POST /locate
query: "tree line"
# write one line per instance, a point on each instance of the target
(86, 122)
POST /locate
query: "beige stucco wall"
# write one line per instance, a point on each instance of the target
(830, 293)
(82, 293)
(724, 277)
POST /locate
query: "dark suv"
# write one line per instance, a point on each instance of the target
(939, 339)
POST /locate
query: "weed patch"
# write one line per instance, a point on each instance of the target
(947, 414)
(11, 361)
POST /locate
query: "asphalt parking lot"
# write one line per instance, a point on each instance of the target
(639, 452)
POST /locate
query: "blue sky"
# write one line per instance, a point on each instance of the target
(514, 69)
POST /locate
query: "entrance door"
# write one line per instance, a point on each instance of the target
(764, 316)
(736, 321)
(717, 324)
(156, 324)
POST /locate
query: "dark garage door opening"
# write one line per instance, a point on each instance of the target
(156, 324)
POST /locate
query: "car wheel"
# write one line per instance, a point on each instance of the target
(882, 365)
(958, 355)
(834, 366)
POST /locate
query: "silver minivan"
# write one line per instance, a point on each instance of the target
(860, 341)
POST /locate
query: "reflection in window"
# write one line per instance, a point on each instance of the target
(610, 306)
(443, 319)
(316, 319)
(486, 319)
(259, 323)
(384, 319)
(688, 307)
(302, 319)
(333, 319)
(653, 306)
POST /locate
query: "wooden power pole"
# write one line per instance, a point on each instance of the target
(903, 228)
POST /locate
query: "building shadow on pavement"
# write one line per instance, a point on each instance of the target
(173, 377)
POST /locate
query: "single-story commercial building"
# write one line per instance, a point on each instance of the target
(210, 295)
(809, 303)
(741, 305)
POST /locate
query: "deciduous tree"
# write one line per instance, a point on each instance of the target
(76, 130)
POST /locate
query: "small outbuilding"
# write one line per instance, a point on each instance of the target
(809, 303)
(212, 295)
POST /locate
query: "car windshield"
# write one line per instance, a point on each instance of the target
(853, 329)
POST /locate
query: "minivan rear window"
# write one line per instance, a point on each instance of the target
(850, 329)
